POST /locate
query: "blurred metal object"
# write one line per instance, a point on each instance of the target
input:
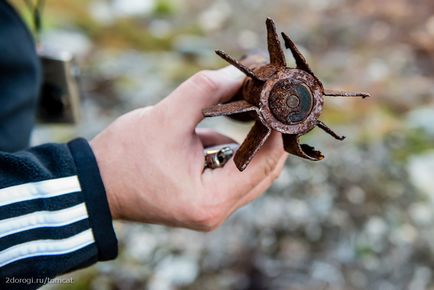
(218, 156)
(287, 100)
(59, 98)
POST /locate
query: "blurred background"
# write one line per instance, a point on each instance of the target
(363, 218)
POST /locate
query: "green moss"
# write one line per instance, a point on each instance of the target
(130, 33)
(412, 142)
(81, 280)
(363, 251)
(164, 8)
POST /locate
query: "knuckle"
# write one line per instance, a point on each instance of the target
(205, 81)
(206, 220)
(269, 166)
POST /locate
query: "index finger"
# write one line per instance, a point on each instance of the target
(204, 89)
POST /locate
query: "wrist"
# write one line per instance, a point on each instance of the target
(95, 198)
(103, 165)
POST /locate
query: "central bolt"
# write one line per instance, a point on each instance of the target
(290, 102)
(293, 101)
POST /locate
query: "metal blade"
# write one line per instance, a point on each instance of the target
(292, 145)
(238, 65)
(277, 57)
(254, 140)
(300, 61)
(335, 93)
(229, 109)
(329, 131)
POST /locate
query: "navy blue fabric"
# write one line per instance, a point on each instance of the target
(19, 85)
(51, 233)
(38, 265)
(45, 204)
(38, 163)
(96, 200)
(19, 81)
(51, 161)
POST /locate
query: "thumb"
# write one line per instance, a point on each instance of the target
(204, 89)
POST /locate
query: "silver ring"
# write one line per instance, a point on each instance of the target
(218, 156)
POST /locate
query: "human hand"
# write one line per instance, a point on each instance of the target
(151, 159)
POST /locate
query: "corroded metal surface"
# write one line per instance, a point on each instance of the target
(296, 78)
(292, 145)
(229, 109)
(287, 100)
(254, 140)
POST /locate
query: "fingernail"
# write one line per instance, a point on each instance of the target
(233, 72)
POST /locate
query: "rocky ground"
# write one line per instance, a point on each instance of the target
(360, 219)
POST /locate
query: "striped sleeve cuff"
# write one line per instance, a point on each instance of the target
(41, 219)
(95, 198)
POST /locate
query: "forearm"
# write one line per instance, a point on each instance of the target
(54, 215)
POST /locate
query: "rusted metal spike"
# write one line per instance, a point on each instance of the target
(300, 61)
(292, 145)
(277, 57)
(329, 131)
(238, 65)
(286, 100)
(336, 93)
(254, 140)
(229, 109)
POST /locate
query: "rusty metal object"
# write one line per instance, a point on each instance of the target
(287, 100)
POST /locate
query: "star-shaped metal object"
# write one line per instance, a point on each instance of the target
(287, 100)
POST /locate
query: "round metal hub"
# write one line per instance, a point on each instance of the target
(291, 101)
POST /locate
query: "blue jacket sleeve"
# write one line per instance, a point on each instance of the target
(54, 214)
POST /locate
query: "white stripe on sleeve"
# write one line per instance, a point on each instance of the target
(46, 247)
(40, 189)
(43, 219)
